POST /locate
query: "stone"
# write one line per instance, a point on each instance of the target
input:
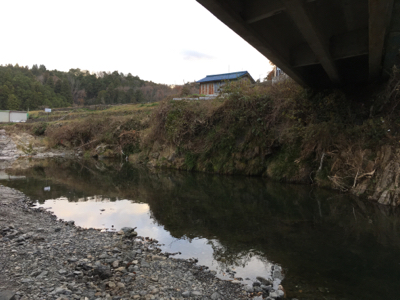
(274, 294)
(248, 288)
(115, 264)
(263, 280)
(61, 290)
(236, 281)
(35, 273)
(43, 274)
(102, 271)
(196, 294)
(215, 296)
(278, 274)
(144, 264)
(7, 295)
(266, 288)
(186, 294)
(157, 257)
(72, 259)
(127, 230)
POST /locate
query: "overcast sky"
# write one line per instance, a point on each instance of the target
(163, 41)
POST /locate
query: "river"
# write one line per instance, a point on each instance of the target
(318, 244)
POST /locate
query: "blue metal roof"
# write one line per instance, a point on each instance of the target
(226, 76)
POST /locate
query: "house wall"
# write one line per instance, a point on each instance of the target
(207, 88)
(18, 116)
(4, 116)
(211, 88)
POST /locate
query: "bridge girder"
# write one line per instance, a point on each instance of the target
(318, 42)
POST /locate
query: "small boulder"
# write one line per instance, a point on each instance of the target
(248, 288)
(102, 271)
(7, 295)
(263, 280)
(186, 294)
(129, 232)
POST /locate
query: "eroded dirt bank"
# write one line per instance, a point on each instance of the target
(22, 145)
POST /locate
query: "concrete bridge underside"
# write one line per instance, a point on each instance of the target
(319, 43)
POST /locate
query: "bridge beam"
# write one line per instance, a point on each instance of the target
(349, 44)
(349, 14)
(224, 12)
(257, 10)
(311, 34)
(380, 12)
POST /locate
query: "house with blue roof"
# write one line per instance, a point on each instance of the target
(211, 84)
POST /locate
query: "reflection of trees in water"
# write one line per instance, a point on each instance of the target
(196, 204)
(306, 230)
(228, 256)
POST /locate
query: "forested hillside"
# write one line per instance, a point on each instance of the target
(22, 88)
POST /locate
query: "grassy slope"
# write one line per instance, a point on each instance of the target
(333, 138)
(283, 131)
(85, 129)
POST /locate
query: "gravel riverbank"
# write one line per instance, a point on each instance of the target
(45, 258)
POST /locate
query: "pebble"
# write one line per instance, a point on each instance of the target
(248, 288)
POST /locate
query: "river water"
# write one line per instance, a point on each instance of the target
(318, 244)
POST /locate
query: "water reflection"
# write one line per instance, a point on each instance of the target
(329, 245)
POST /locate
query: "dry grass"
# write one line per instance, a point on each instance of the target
(82, 112)
(174, 122)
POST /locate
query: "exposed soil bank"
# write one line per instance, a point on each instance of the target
(15, 148)
(45, 258)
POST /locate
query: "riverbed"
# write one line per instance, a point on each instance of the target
(315, 243)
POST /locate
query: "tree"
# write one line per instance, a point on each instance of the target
(13, 103)
(101, 97)
(139, 96)
(35, 70)
(6, 90)
(42, 69)
(66, 91)
(50, 82)
(57, 87)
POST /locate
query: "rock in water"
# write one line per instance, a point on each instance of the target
(129, 232)
(263, 280)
